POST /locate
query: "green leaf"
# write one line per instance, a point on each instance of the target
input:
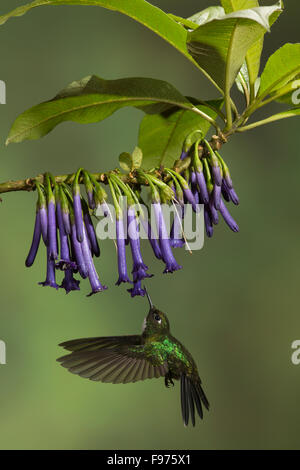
(183, 21)
(282, 67)
(243, 82)
(234, 5)
(94, 99)
(199, 18)
(161, 136)
(250, 68)
(220, 45)
(137, 158)
(125, 161)
(209, 14)
(139, 10)
(253, 56)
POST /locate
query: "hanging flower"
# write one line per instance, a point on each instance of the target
(121, 249)
(52, 229)
(77, 207)
(137, 289)
(42, 209)
(50, 278)
(91, 270)
(139, 268)
(65, 264)
(37, 232)
(164, 240)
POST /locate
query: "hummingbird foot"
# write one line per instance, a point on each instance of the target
(168, 381)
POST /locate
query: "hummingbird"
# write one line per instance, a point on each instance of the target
(153, 354)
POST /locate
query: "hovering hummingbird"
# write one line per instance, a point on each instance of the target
(154, 353)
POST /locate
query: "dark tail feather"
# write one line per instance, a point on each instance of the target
(192, 404)
(202, 395)
(192, 395)
(183, 400)
(186, 398)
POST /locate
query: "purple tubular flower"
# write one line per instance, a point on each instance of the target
(183, 155)
(52, 231)
(231, 194)
(216, 171)
(151, 237)
(122, 265)
(65, 264)
(208, 223)
(69, 283)
(139, 268)
(202, 187)
(225, 192)
(64, 246)
(193, 179)
(234, 197)
(44, 223)
(178, 243)
(78, 215)
(228, 218)
(91, 200)
(175, 240)
(190, 198)
(92, 273)
(228, 180)
(104, 208)
(88, 187)
(35, 241)
(137, 289)
(73, 264)
(91, 234)
(78, 255)
(214, 216)
(196, 195)
(66, 222)
(164, 241)
(50, 278)
(217, 196)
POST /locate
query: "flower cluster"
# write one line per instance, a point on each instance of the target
(62, 211)
(209, 180)
(63, 216)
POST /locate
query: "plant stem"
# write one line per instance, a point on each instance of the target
(132, 178)
(276, 117)
(28, 184)
(228, 107)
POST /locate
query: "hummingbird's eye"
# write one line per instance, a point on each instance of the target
(157, 318)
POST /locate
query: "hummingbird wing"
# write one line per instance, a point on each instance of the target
(105, 342)
(192, 395)
(121, 364)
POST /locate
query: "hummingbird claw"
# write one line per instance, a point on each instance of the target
(168, 381)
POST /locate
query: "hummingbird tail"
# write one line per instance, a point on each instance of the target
(192, 396)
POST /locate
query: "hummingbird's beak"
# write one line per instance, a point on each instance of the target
(148, 297)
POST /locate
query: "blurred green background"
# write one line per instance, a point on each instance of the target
(235, 305)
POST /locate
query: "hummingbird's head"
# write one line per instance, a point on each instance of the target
(156, 321)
